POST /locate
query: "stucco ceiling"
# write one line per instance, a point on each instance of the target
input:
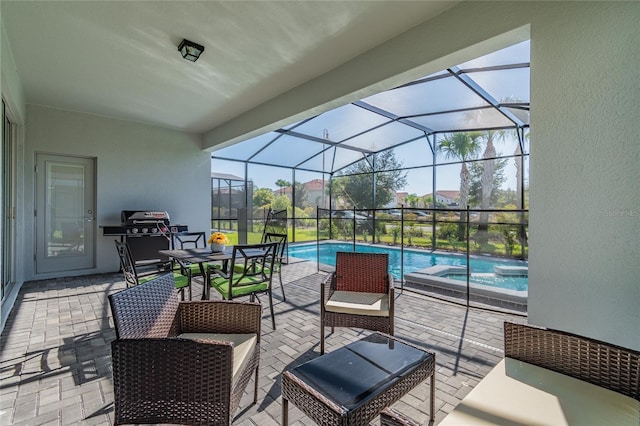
(119, 58)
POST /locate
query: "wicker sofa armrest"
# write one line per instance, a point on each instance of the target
(220, 316)
(327, 287)
(601, 363)
(161, 380)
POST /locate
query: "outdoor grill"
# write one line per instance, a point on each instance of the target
(145, 222)
(146, 232)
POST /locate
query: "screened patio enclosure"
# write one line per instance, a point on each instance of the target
(408, 135)
(439, 163)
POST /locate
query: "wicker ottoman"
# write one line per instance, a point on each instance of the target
(352, 385)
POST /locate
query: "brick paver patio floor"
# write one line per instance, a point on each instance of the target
(55, 365)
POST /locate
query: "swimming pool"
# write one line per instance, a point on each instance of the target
(482, 269)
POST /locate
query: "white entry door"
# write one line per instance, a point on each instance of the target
(65, 213)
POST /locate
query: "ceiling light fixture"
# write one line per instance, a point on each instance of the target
(189, 50)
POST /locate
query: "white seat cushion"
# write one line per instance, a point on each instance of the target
(517, 393)
(243, 346)
(353, 302)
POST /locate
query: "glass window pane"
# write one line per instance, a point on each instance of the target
(288, 151)
(316, 189)
(245, 150)
(505, 85)
(502, 174)
(413, 154)
(420, 184)
(464, 120)
(523, 114)
(65, 209)
(527, 142)
(352, 191)
(341, 123)
(268, 176)
(384, 137)
(525, 167)
(227, 192)
(444, 94)
(447, 186)
(343, 157)
(270, 188)
(321, 162)
(226, 168)
(516, 54)
(505, 142)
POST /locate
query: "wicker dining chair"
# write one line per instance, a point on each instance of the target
(181, 362)
(359, 294)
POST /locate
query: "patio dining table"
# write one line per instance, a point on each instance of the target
(200, 256)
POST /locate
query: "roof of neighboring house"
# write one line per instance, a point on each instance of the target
(450, 194)
(315, 184)
(226, 176)
(312, 185)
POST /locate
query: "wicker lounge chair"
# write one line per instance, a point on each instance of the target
(358, 294)
(181, 362)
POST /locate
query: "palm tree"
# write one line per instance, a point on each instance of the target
(488, 172)
(463, 147)
(412, 200)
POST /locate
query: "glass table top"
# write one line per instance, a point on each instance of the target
(361, 370)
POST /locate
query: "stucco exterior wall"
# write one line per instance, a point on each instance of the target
(137, 167)
(584, 264)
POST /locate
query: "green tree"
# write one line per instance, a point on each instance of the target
(355, 183)
(489, 165)
(301, 195)
(263, 197)
(412, 200)
(427, 201)
(281, 202)
(462, 147)
(282, 183)
(476, 188)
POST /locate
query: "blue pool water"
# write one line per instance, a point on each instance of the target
(482, 271)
